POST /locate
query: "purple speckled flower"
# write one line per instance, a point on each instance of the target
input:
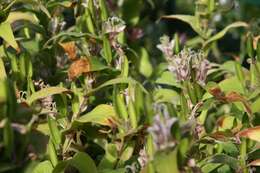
(161, 129)
(183, 63)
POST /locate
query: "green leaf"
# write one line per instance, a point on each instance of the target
(122, 170)
(8, 138)
(107, 49)
(220, 34)
(102, 115)
(81, 161)
(231, 84)
(45, 93)
(255, 105)
(230, 149)
(119, 80)
(69, 34)
(43, 167)
(167, 95)
(166, 162)
(191, 20)
(131, 11)
(168, 78)
(52, 153)
(209, 167)
(145, 66)
(2, 70)
(25, 64)
(225, 159)
(6, 167)
(7, 34)
(110, 158)
(54, 131)
(17, 15)
(103, 10)
(126, 154)
(66, 4)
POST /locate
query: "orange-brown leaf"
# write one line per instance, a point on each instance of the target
(79, 67)
(236, 97)
(216, 92)
(255, 163)
(251, 133)
(71, 49)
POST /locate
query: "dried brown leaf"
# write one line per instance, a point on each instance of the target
(70, 49)
(79, 67)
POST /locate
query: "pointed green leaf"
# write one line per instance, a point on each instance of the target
(220, 34)
(225, 159)
(191, 20)
(145, 66)
(7, 34)
(102, 114)
(45, 93)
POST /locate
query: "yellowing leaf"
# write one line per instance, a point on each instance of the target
(251, 133)
(102, 114)
(7, 34)
(2, 69)
(17, 15)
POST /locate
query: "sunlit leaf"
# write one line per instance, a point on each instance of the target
(167, 95)
(17, 15)
(102, 115)
(255, 163)
(251, 133)
(43, 167)
(7, 34)
(45, 92)
(2, 70)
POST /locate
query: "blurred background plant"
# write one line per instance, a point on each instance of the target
(117, 86)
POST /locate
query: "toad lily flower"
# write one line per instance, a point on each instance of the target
(161, 130)
(114, 26)
(185, 62)
(166, 46)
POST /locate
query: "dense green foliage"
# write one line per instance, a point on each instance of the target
(115, 86)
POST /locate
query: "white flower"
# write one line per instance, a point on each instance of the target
(114, 25)
(166, 46)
